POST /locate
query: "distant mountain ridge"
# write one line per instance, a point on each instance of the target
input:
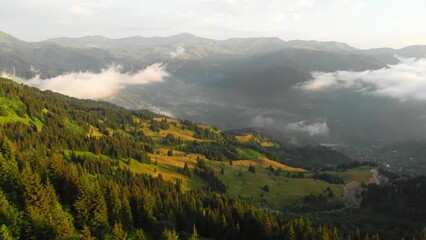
(56, 56)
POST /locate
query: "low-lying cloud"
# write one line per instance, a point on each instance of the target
(260, 121)
(176, 53)
(107, 83)
(404, 81)
(311, 128)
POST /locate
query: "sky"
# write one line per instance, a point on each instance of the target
(360, 23)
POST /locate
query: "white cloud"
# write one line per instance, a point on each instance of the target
(80, 10)
(312, 128)
(277, 18)
(405, 80)
(297, 17)
(260, 121)
(101, 85)
(176, 53)
(212, 20)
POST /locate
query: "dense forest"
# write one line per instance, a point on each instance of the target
(50, 190)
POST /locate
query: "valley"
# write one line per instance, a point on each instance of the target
(185, 137)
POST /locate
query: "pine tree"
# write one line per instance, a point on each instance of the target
(139, 235)
(43, 209)
(91, 210)
(357, 235)
(375, 237)
(423, 234)
(291, 234)
(10, 216)
(5, 233)
(194, 235)
(118, 233)
(86, 234)
(169, 235)
(7, 149)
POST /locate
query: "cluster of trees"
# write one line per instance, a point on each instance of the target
(45, 196)
(156, 126)
(202, 132)
(309, 157)
(208, 175)
(277, 172)
(403, 198)
(295, 175)
(207, 134)
(171, 140)
(354, 164)
(252, 169)
(185, 170)
(219, 151)
(256, 146)
(330, 178)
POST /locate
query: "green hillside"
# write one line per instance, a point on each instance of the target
(159, 135)
(78, 168)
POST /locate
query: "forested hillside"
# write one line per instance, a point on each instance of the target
(80, 169)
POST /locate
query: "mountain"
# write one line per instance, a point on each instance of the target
(26, 60)
(317, 45)
(128, 42)
(92, 53)
(415, 51)
(238, 83)
(7, 39)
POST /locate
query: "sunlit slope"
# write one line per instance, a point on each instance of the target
(172, 149)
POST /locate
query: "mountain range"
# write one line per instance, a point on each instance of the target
(92, 53)
(257, 83)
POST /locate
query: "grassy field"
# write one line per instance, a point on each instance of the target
(8, 113)
(264, 142)
(283, 190)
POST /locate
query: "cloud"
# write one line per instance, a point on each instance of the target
(403, 81)
(260, 121)
(179, 51)
(80, 10)
(101, 85)
(212, 20)
(312, 128)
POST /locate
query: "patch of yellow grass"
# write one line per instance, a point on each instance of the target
(247, 137)
(267, 144)
(168, 172)
(177, 160)
(136, 119)
(94, 132)
(186, 135)
(169, 120)
(265, 162)
(244, 138)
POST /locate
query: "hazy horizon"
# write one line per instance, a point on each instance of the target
(359, 23)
